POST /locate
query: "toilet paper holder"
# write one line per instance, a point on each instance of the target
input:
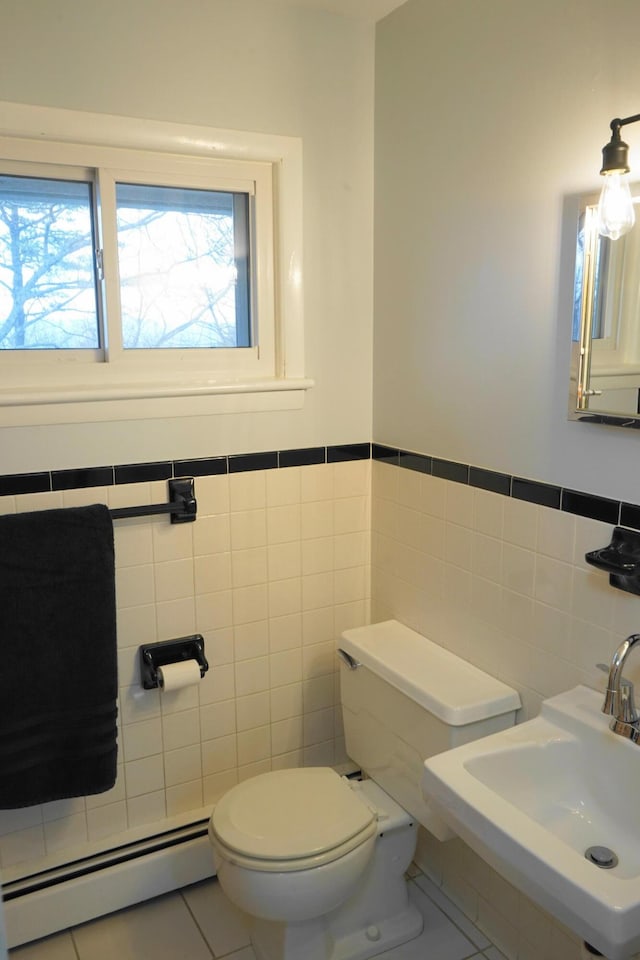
(155, 655)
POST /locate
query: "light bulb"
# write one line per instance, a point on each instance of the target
(616, 215)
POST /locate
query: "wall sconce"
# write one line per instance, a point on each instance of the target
(615, 210)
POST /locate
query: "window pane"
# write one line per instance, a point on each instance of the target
(184, 267)
(47, 279)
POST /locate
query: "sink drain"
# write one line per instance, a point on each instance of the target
(603, 857)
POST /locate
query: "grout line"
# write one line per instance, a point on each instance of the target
(195, 922)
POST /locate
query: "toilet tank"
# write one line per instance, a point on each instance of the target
(404, 698)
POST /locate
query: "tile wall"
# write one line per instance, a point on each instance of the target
(274, 567)
(500, 579)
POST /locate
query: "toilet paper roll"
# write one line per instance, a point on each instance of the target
(175, 676)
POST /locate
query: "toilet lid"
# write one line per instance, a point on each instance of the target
(290, 814)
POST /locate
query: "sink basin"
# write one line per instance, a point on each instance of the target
(532, 799)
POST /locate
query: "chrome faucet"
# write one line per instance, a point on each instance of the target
(618, 699)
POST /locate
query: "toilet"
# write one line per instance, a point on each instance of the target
(317, 861)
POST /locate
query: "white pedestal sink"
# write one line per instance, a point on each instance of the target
(534, 798)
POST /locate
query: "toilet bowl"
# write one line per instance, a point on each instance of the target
(318, 861)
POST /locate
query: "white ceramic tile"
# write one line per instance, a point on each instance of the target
(350, 585)
(57, 809)
(452, 912)
(218, 684)
(57, 947)
(355, 614)
(162, 928)
(285, 597)
(319, 755)
(180, 729)
(553, 582)
(458, 546)
(486, 557)
(250, 603)
(175, 701)
(218, 719)
(252, 676)
(350, 515)
(212, 572)
(38, 501)
(317, 590)
(318, 727)
(284, 560)
(176, 618)
(460, 504)
(181, 766)
(351, 549)
(283, 486)
(316, 482)
(219, 646)
(20, 819)
(66, 832)
(253, 711)
(133, 543)
(286, 702)
(352, 478)
(220, 921)
(173, 579)
(318, 693)
(22, 845)
(556, 534)
(317, 625)
(107, 820)
(254, 745)
(249, 529)
(409, 490)
(144, 776)
(217, 784)
(117, 792)
(212, 494)
(251, 640)
(285, 667)
(184, 797)
(254, 769)
(214, 610)
(247, 490)
(439, 940)
(137, 704)
(488, 512)
(171, 541)
(146, 808)
(518, 569)
(135, 586)
(286, 736)
(219, 754)
(285, 633)
(142, 739)
(316, 520)
(211, 535)
(318, 659)
(249, 566)
(520, 522)
(317, 555)
(284, 523)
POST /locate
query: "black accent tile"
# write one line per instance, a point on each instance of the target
(450, 470)
(204, 467)
(586, 505)
(244, 462)
(87, 477)
(543, 494)
(415, 461)
(630, 515)
(143, 472)
(348, 451)
(489, 480)
(304, 457)
(24, 483)
(386, 454)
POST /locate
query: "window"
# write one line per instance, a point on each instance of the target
(135, 273)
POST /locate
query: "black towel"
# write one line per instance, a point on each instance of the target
(58, 674)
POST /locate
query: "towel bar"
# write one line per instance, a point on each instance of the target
(182, 504)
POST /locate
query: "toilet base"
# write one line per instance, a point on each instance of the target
(378, 917)
(313, 940)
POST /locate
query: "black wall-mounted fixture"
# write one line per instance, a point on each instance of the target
(621, 559)
(161, 654)
(615, 210)
(181, 506)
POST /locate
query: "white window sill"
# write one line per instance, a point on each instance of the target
(148, 401)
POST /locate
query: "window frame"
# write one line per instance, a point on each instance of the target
(38, 389)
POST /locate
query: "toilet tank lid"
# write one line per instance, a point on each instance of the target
(451, 688)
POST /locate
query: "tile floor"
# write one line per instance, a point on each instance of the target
(199, 923)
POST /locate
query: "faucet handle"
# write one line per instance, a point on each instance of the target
(619, 704)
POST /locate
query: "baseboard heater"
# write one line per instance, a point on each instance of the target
(42, 903)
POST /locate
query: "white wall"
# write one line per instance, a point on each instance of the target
(238, 64)
(488, 117)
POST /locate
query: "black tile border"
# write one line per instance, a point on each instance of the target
(532, 491)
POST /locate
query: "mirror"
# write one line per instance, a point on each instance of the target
(605, 370)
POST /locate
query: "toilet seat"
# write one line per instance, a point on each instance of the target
(290, 820)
